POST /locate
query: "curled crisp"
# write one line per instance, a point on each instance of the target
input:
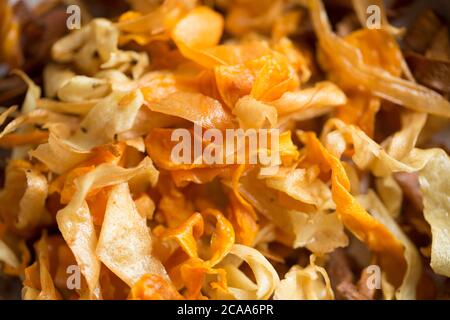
(309, 283)
(240, 286)
(381, 83)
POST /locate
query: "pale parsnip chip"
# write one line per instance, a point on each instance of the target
(240, 286)
(131, 61)
(370, 155)
(319, 232)
(309, 283)
(32, 210)
(24, 194)
(39, 117)
(125, 244)
(117, 78)
(89, 46)
(76, 223)
(112, 115)
(55, 76)
(403, 141)
(8, 256)
(77, 227)
(109, 174)
(320, 98)
(57, 154)
(81, 88)
(435, 187)
(303, 185)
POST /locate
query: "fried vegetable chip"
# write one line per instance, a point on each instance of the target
(226, 149)
(310, 283)
(436, 192)
(125, 244)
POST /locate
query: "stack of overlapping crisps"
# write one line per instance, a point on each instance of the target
(92, 191)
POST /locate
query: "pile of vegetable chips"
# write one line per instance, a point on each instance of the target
(94, 205)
